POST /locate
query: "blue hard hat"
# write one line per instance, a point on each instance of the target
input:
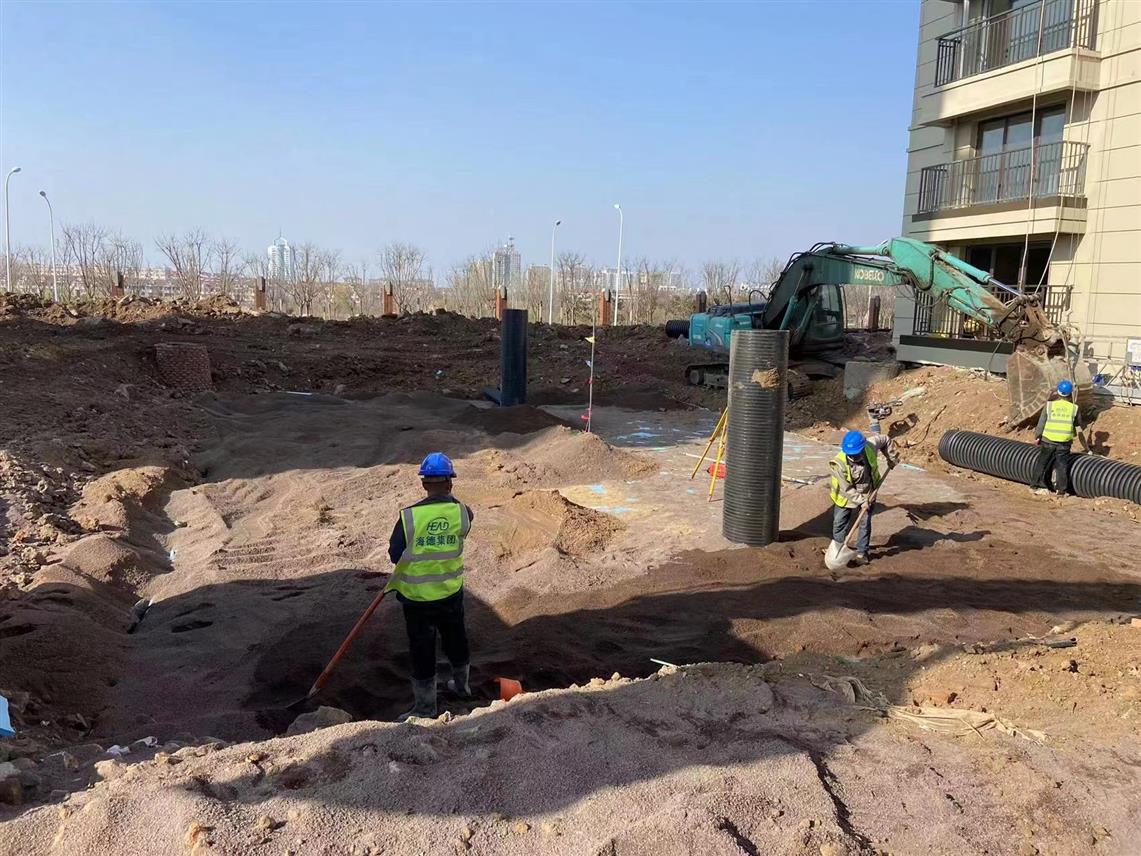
(1065, 387)
(437, 465)
(853, 443)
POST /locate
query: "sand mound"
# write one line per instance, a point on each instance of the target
(558, 457)
(536, 520)
(713, 759)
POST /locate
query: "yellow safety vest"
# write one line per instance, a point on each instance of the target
(842, 459)
(432, 565)
(1060, 418)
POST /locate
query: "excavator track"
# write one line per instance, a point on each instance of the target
(716, 376)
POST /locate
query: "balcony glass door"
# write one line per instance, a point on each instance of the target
(1007, 149)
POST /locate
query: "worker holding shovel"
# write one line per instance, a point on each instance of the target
(856, 476)
(427, 547)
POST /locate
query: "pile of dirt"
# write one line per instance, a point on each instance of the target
(947, 399)
(131, 308)
(713, 759)
(543, 519)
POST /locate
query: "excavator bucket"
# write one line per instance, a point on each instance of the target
(1031, 378)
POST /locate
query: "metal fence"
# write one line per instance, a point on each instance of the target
(1014, 36)
(1049, 169)
(935, 318)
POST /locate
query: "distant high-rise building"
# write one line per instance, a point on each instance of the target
(507, 265)
(282, 265)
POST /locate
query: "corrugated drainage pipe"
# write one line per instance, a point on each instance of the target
(758, 376)
(1090, 475)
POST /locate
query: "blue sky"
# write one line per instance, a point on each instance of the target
(724, 130)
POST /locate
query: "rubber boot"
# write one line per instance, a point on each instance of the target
(424, 705)
(459, 683)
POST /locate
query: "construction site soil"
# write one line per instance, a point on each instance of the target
(177, 569)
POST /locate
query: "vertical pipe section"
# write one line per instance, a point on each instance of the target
(758, 377)
(513, 358)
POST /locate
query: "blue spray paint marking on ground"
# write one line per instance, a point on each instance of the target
(597, 488)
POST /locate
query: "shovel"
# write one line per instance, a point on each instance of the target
(839, 553)
(324, 676)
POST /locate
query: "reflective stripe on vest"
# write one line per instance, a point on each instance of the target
(873, 462)
(432, 565)
(1060, 417)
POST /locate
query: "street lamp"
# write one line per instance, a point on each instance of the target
(8, 228)
(551, 295)
(618, 277)
(51, 221)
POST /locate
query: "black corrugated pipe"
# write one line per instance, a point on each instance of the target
(1090, 475)
(513, 358)
(758, 375)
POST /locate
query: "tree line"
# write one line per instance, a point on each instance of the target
(195, 265)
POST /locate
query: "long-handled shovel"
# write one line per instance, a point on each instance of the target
(324, 676)
(839, 553)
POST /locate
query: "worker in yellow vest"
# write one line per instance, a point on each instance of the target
(427, 547)
(855, 474)
(1057, 427)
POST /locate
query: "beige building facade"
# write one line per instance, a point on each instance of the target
(1024, 159)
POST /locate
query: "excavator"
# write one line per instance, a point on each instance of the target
(807, 300)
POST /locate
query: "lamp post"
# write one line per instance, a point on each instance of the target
(618, 277)
(51, 222)
(551, 294)
(8, 229)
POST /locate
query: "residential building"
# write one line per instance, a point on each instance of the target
(282, 264)
(507, 266)
(1025, 160)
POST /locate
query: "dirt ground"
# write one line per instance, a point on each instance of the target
(179, 568)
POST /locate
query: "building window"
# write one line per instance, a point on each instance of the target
(1014, 149)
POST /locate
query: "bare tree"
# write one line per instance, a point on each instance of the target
(189, 257)
(654, 282)
(535, 288)
(402, 267)
(255, 265)
(228, 267)
(720, 280)
(575, 288)
(31, 271)
(84, 248)
(365, 294)
(119, 255)
(471, 288)
(762, 274)
(316, 272)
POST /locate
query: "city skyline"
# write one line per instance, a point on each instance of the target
(714, 155)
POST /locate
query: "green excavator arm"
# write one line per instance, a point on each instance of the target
(1042, 355)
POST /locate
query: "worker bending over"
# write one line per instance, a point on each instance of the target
(1057, 427)
(427, 547)
(855, 474)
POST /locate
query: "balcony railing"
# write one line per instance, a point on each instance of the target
(1048, 169)
(1023, 33)
(935, 318)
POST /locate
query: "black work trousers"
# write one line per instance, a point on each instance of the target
(1054, 457)
(423, 619)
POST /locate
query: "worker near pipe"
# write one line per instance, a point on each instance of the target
(856, 473)
(1057, 427)
(427, 548)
